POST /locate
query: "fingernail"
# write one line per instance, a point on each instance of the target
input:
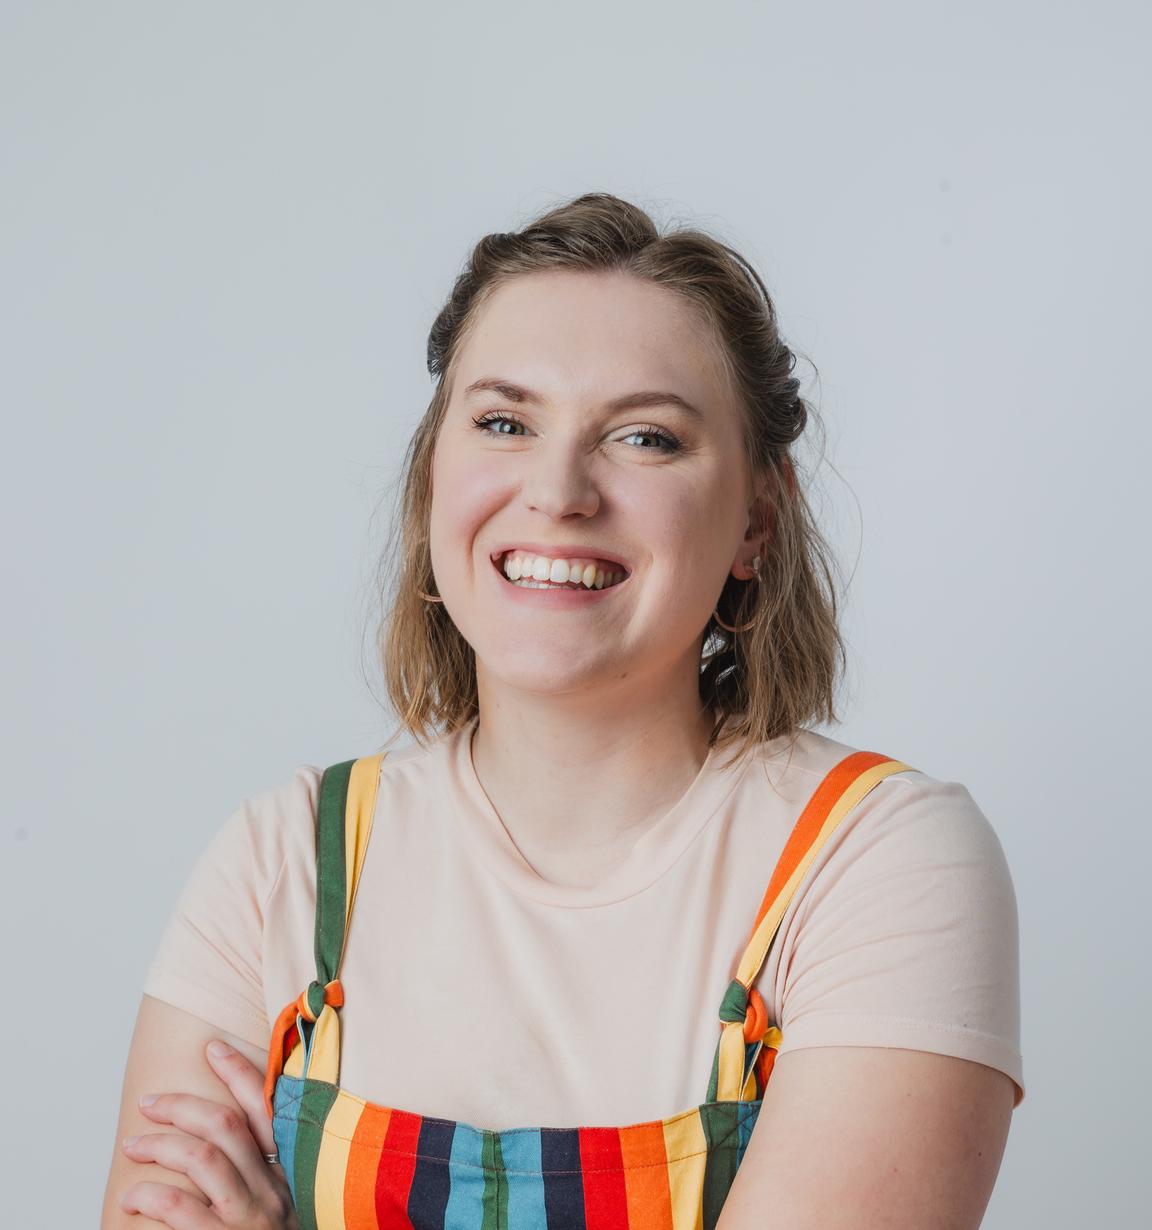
(219, 1049)
(129, 1141)
(148, 1099)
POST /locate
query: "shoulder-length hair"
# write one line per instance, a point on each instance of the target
(777, 674)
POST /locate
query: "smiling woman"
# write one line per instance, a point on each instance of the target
(636, 946)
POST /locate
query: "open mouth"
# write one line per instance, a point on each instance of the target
(611, 574)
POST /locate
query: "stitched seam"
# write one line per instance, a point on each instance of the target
(903, 1020)
(295, 1100)
(275, 883)
(724, 1143)
(232, 1000)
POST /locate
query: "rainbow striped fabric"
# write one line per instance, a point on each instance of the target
(356, 1165)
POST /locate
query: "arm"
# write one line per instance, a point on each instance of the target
(872, 1138)
(166, 1055)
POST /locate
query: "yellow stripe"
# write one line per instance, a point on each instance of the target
(294, 1064)
(325, 1062)
(757, 949)
(332, 1163)
(359, 809)
(685, 1141)
(731, 1061)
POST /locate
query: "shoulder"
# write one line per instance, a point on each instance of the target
(911, 816)
(277, 821)
(283, 815)
(904, 931)
(277, 825)
(914, 861)
(245, 855)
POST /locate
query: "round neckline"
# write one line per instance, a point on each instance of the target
(474, 817)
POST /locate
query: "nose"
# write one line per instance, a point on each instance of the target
(559, 484)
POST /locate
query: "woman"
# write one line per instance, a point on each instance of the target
(618, 883)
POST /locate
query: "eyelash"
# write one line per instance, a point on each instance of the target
(481, 421)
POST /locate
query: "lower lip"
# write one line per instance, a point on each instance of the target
(561, 598)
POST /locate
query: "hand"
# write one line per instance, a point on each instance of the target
(222, 1153)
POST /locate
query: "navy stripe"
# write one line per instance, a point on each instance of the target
(431, 1178)
(563, 1179)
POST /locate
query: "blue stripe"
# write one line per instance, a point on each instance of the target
(286, 1098)
(465, 1206)
(745, 1124)
(521, 1151)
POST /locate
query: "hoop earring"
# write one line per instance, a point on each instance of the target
(755, 566)
(428, 597)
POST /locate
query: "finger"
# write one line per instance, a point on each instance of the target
(246, 1084)
(204, 1163)
(171, 1205)
(212, 1124)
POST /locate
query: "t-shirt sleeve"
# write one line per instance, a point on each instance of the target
(209, 957)
(906, 933)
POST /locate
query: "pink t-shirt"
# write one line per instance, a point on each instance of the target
(478, 991)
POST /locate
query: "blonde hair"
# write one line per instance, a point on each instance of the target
(769, 680)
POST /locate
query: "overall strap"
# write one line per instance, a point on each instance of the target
(306, 1036)
(743, 1018)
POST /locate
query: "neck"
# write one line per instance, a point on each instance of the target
(574, 791)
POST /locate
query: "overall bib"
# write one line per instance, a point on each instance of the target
(356, 1165)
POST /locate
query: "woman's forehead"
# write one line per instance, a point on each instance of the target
(593, 338)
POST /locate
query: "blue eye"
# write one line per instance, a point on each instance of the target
(650, 429)
(669, 442)
(494, 416)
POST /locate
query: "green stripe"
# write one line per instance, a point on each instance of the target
(314, 1107)
(331, 869)
(714, 1079)
(495, 1199)
(721, 1123)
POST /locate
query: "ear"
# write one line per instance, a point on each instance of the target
(759, 531)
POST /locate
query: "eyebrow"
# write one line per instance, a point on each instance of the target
(630, 401)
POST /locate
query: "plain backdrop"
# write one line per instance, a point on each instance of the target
(226, 231)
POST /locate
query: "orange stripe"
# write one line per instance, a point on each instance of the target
(645, 1162)
(363, 1163)
(764, 1064)
(812, 819)
(284, 1036)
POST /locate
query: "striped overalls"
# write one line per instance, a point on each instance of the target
(357, 1165)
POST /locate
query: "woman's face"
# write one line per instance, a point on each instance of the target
(657, 486)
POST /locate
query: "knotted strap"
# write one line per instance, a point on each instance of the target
(744, 1027)
(743, 1006)
(306, 1035)
(288, 1029)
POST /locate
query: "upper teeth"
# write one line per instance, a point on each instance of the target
(591, 573)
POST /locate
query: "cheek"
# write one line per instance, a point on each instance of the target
(690, 525)
(464, 497)
(463, 480)
(699, 538)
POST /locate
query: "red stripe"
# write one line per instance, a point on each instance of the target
(397, 1166)
(605, 1193)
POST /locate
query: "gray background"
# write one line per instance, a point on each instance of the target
(226, 230)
